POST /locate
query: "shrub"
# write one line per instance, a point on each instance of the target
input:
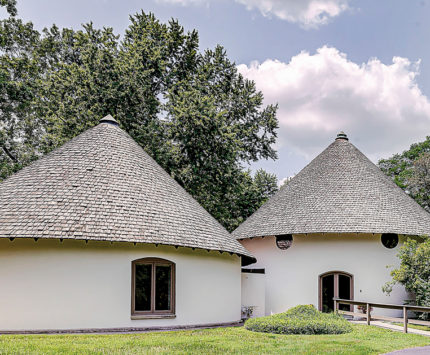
(413, 272)
(300, 320)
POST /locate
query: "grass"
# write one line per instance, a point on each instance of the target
(362, 340)
(414, 326)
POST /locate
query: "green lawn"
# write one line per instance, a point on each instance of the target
(414, 326)
(363, 340)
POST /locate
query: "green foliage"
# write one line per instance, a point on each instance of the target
(265, 184)
(191, 111)
(409, 171)
(304, 319)
(10, 6)
(20, 68)
(414, 271)
(246, 195)
(419, 182)
(303, 311)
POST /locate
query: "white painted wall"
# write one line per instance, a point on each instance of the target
(254, 293)
(73, 285)
(292, 275)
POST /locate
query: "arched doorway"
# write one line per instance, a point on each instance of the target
(335, 284)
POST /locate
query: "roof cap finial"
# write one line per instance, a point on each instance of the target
(342, 135)
(109, 119)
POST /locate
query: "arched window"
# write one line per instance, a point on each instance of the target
(152, 288)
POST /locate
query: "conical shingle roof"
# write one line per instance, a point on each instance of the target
(340, 191)
(102, 185)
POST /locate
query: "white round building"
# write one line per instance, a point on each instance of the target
(330, 232)
(96, 235)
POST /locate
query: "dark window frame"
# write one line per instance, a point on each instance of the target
(284, 241)
(154, 262)
(390, 240)
(336, 287)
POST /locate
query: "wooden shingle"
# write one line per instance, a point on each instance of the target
(103, 186)
(340, 191)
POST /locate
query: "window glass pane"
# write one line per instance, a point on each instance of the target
(143, 287)
(327, 293)
(163, 282)
(344, 287)
(344, 291)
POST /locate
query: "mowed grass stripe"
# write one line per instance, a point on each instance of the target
(362, 340)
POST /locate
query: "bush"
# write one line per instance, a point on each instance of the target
(300, 320)
(413, 272)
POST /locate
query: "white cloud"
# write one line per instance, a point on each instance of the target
(183, 2)
(379, 106)
(284, 180)
(308, 13)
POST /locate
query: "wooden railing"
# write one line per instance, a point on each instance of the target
(369, 316)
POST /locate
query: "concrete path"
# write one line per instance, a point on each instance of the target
(394, 327)
(425, 350)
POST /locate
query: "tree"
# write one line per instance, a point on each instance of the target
(419, 181)
(246, 195)
(409, 171)
(399, 167)
(191, 111)
(414, 271)
(10, 6)
(266, 185)
(210, 139)
(20, 68)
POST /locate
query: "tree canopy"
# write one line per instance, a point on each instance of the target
(414, 270)
(410, 171)
(191, 111)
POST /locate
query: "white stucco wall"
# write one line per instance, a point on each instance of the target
(292, 275)
(254, 293)
(73, 285)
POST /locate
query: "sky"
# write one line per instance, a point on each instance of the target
(362, 67)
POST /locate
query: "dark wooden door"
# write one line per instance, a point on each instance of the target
(335, 284)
